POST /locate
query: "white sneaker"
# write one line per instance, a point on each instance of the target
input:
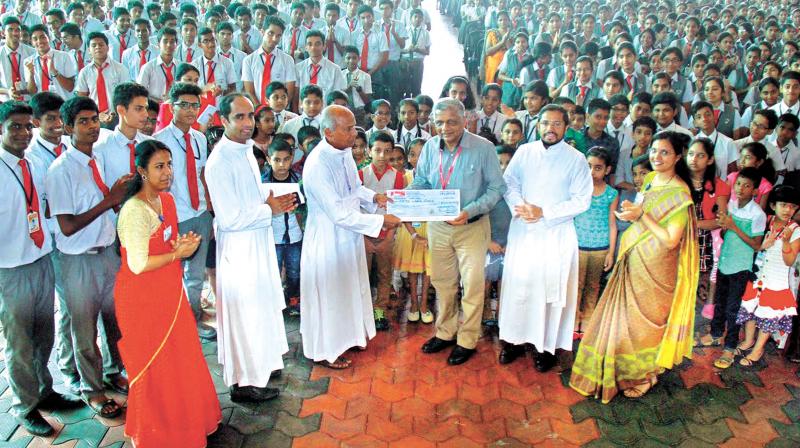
(413, 317)
(427, 317)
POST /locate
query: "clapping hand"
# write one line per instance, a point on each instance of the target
(528, 212)
(630, 211)
(281, 204)
(185, 245)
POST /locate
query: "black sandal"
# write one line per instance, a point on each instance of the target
(102, 409)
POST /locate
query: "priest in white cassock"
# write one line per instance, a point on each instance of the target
(549, 183)
(336, 306)
(251, 336)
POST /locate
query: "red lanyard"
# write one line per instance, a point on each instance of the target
(444, 180)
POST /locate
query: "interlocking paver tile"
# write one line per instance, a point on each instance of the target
(486, 432)
(324, 403)
(347, 390)
(507, 442)
(364, 441)
(759, 432)
(436, 431)
(714, 433)
(668, 433)
(787, 431)
(343, 428)
(530, 431)
(315, 440)
(303, 388)
(411, 407)
(577, 433)
(90, 431)
(412, 441)
(7, 426)
(294, 426)
(502, 408)
(392, 392)
(248, 422)
(460, 442)
(22, 442)
(437, 393)
(458, 408)
(546, 409)
(758, 409)
(367, 405)
(225, 437)
(268, 439)
(386, 430)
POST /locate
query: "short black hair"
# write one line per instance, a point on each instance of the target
(152, 105)
(184, 68)
(183, 88)
(647, 122)
(97, 35)
(307, 131)
(274, 20)
(334, 95)
(75, 105)
(598, 104)
(69, 28)
(751, 173)
(10, 108)
(125, 93)
(226, 101)
(44, 102)
(278, 145)
(601, 153)
(166, 31)
(311, 89)
(380, 136)
(556, 108)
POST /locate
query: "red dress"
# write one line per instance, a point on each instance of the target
(172, 401)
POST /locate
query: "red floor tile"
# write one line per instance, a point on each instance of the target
(368, 405)
(411, 407)
(326, 403)
(577, 433)
(760, 409)
(459, 442)
(548, 409)
(529, 431)
(412, 441)
(759, 432)
(364, 441)
(392, 392)
(485, 433)
(522, 395)
(502, 408)
(346, 391)
(458, 408)
(315, 440)
(436, 393)
(344, 428)
(479, 395)
(386, 430)
(436, 431)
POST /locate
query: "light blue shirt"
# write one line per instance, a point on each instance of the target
(476, 173)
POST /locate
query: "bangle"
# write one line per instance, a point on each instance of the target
(173, 257)
(414, 235)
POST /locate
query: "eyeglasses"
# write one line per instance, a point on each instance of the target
(555, 124)
(187, 105)
(671, 60)
(759, 126)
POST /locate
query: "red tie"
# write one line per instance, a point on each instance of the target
(226, 55)
(629, 80)
(365, 52)
(79, 57)
(191, 172)
(330, 50)
(132, 147)
(315, 73)
(98, 180)
(142, 58)
(541, 74)
(59, 149)
(716, 116)
(45, 74)
(33, 203)
(749, 78)
(168, 76)
(102, 94)
(583, 91)
(58, 45)
(123, 45)
(15, 75)
(266, 76)
(294, 41)
(209, 79)
(189, 55)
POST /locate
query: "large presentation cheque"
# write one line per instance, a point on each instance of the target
(425, 205)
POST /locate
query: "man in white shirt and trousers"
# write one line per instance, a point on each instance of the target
(250, 333)
(549, 183)
(336, 309)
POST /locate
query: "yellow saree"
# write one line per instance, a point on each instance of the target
(644, 321)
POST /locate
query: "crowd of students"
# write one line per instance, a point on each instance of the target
(99, 79)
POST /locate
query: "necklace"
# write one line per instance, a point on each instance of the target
(155, 207)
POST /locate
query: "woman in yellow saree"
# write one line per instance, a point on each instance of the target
(644, 321)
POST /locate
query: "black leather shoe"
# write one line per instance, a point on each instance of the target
(435, 345)
(35, 424)
(206, 332)
(58, 402)
(544, 361)
(510, 353)
(253, 394)
(460, 355)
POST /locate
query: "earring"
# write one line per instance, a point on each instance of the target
(144, 177)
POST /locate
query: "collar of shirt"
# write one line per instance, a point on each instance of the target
(305, 118)
(215, 60)
(720, 107)
(712, 136)
(162, 61)
(262, 51)
(675, 77)
(47, 145)
(120, 138)
(77, 155)
(177, 133)
(10, 159)
(784, 108)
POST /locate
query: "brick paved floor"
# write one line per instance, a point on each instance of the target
(397, 396)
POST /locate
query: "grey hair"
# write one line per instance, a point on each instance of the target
(327, 119)
(443, 104)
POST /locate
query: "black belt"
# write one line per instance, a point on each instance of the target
(474, 219)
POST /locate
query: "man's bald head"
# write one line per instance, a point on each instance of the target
(338, 125)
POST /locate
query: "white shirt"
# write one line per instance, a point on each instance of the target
(27, 19)
(132, 57)
(782, 108)
(493, 122)
(152, 76)
(116, 41)
(772, 151)
(363, 80)
(114, 74)
(42, 154)
(65, 65)
(283, 68)
(351, 25)
(329, 77)
(113, 151)
(236, 56)
(376, 43)
(294, 125)
(419, 37)
(394, 45)
(405, 136)
(747, 116)
(342, 35)
(253, 38)
(23, 52)
(183, 52)
(91, 25)
(622, 134)
(675, 127)
(173, 138)
(725, 151)
(18, 247)
(224, 75)
(296, 35)
(789, 155)
(71, 190)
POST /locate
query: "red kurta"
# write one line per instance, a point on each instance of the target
(172, 400)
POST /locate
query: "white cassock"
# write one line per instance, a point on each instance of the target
(336, 305)
(540, 293)
(251, 336)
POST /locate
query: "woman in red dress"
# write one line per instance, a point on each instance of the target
(172, 401)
